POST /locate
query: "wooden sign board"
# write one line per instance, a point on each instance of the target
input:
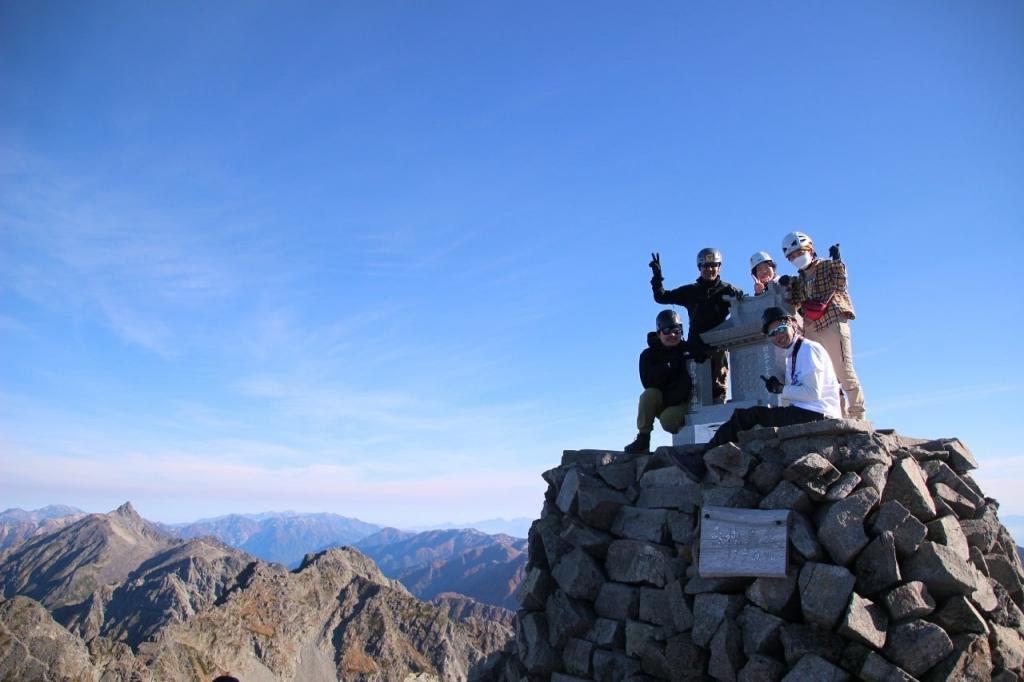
(743, 542)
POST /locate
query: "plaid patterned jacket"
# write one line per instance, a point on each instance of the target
(820, 280)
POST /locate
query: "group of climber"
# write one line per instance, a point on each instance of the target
(820, 358)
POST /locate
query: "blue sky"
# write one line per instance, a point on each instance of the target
(389, 259)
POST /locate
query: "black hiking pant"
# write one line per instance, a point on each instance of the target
(761, 415)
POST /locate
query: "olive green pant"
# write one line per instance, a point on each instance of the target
(652, 404)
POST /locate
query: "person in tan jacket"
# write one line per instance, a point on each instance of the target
(823, 300)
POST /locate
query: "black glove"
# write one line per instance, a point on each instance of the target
(786, 280)
(699, 356)
(655, 264)
(772, 384)
(833, 252)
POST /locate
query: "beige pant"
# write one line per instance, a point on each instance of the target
(836, 340)
(651, 406)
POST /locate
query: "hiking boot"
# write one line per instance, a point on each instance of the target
(639, 446)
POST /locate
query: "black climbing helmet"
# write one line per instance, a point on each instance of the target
(771, 315)
(666, 319)
(709, 255)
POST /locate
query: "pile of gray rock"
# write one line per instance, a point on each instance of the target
(898, 567)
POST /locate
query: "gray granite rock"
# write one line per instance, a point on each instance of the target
(614, 666)
(971, 661)
(682, 616)
(729, 459)
(942, 570)
(666, 477)
(813, 474)
(864, 622)
(1007, 647)
(592, 541)
(804, 537)
(685, 659)
(620, 475)
(681, 527)
(800, 640)
(877, 669)
(813, 667)
(983, 531)
(876, 567)
(908, 531)
(958, 615)
(598, 507)
(961, 504)
(874, 476)
(760, 668)
(631, 561)
(639, 636)
(917, 645)
(760, 631)
(909, 601)
(765, 476)
(841, 530)
(959, 458)
(786, 496)
(606, 633)
(637, 523)
(773, 594)
(906, 485)
(618, 601)
(578, 575)
(576, 657)
(535, 651)
(709, 611)
(726, 652)
(535, 589)
(946, 531)
(842, 488)
(655, 607)
(566, 618)
(824, 592)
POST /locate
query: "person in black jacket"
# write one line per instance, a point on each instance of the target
(706, 302)
(666, 381)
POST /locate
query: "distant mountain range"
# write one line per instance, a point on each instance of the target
(17, 525)
(110, 596)
(282, 537)
(487, 568)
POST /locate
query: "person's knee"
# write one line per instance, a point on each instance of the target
(652, 397)
(672, 419)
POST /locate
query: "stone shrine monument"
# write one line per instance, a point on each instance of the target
(751, 355)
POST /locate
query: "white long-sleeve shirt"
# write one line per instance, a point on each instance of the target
(812, 383)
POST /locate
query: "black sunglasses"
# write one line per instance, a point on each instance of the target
(710, 265)
(671, 330)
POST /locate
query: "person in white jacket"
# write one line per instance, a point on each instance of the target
(811, 388)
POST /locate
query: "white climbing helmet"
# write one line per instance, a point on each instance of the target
(795, 241)
(760, 257)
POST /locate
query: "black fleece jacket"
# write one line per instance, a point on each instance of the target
(703, 302)
(664, 368)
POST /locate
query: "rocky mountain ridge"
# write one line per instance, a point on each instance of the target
(109, 596)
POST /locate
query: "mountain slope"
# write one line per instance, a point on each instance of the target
(68, 565)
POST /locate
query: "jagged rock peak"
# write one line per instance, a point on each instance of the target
(128, 511)
(897, 566)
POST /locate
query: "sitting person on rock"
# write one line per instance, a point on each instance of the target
(811, 387)
(666, 381)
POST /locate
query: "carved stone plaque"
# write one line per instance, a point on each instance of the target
(743, 542)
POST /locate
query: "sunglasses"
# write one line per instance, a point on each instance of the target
(710, 265)
(671, 330)
(778, 330)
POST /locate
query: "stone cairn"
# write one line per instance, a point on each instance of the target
(898, 567)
